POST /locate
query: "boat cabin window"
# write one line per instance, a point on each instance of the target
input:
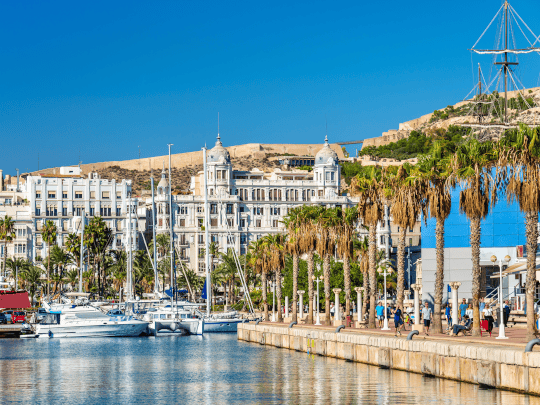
(51, 319)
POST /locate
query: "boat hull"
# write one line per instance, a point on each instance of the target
(127, 329)
(222, 325)
(167, 326)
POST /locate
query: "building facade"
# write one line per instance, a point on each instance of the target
(244, 205)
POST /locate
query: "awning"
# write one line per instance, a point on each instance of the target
(517, 268)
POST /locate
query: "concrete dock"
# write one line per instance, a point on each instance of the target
(10, 330)
(503, 366)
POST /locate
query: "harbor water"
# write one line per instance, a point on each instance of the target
(211, 369)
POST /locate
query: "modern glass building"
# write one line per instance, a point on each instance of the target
(503, 231)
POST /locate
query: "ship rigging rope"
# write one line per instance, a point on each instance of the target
(524, 23)
(513, 14)
(519, 91)
(488, 26)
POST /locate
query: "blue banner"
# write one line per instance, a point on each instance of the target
(204, 295)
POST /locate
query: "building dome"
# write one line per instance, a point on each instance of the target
(218, 154)
(163, 185)
(325, 154)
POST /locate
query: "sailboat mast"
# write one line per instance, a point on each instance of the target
(156, 290)
(171, 235)
(206, 236)
(505, 61)
(82, 251)
(129, 275)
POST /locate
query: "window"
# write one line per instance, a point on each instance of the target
(65, 225)
(105, 195)
(257, 223)
(241, 208)
(213, 208)
(275, 211)
(242, 223)
(320, 193)
(201, 238)
(183, 210)
(52, 211)
(78, 195)
(230, 222)
(118, 211)
(201, 222)
(38, 211)
(199, 208)
(213, 222)
(64, 211)
(202, 267)
(410, 241)
(160, 222)
(77, 211)
(382, 239)
(118, 194)
(275, 223)
(243, 238)
(21, 232)
(105, 211)
(182, 222)
(51, 194)
(92, 195)
(230, 209)
(64, 194)
(92, 211)
(38, 195)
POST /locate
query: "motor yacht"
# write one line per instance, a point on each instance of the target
(87, 321)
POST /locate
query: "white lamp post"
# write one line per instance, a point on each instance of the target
(385, 272)
(502, 334)
(318, 280)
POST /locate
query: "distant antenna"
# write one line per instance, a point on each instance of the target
(218, 137)
(326, 136)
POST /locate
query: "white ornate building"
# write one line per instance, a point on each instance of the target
(248, 204)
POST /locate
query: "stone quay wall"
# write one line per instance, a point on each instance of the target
(495, 366)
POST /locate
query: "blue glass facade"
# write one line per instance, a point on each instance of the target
(503, 227)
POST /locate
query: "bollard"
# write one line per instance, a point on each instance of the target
(411, 334)
(339, 328)
(292, 323)
(531, 344)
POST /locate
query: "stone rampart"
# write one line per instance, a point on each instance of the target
(487, 365)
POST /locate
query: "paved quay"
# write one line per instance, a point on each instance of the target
(486, 361)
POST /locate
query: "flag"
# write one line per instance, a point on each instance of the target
(204, 295)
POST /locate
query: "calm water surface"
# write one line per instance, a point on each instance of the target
(214, 369)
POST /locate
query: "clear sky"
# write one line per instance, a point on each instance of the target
(99, 79)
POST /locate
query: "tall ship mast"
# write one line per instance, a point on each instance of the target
(492, 113)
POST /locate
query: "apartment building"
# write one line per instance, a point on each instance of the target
(244, 205)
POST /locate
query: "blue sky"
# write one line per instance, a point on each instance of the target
(99, 79)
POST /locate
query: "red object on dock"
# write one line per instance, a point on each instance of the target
(14, 299)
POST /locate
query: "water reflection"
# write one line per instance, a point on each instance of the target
(212, 369)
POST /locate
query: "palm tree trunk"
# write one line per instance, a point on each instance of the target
(295, 264)
(278, 294)
(264, 295)
(5, 257)
(347, 284)
(439, 276)
(372, 253)
(326, 273)
(310, 286)
(476, 273)
(401, 266)
(531, 228)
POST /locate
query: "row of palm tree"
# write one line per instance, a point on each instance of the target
(484, 171)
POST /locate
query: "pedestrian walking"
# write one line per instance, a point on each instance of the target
(427, 315)
(398, 320)
(448, 315)
(462, 309)
(379, 309)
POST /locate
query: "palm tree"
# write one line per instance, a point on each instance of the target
(326, 244)
(257, 251)
(98, 238)
(59, 258)
(72, 277)
(361, 251)
(32, 275)
(434, 172)
(48, 233)
(7, 234)
(345, 248)
(408, 202)
(520, 156)
(275, 245)
(292, 222)
(163, 244)
(15, 265)
(368, 185)
(471, 165)
(308, 243)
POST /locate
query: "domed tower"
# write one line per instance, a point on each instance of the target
(162, 203)
(219, 169)
(326, 172)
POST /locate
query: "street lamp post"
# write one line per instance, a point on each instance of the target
(318, 280)
(385, 272)
(502, 334)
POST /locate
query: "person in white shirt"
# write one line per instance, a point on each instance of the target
(488, 316)
(469, 312)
